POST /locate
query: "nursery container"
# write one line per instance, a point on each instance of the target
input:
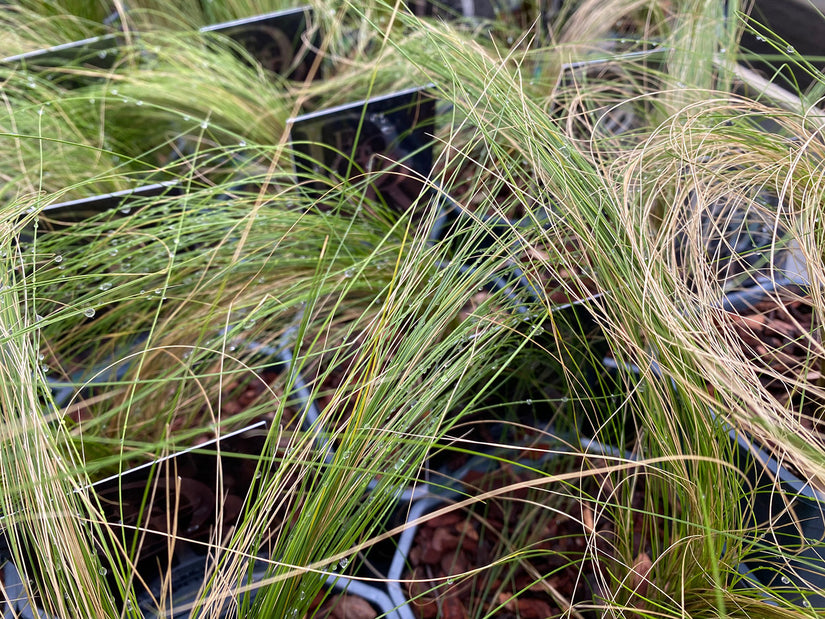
(796, 513)
(481, 9)
(57, 64)
(196, 470)
(788, 555)
(800, 27)
(279, 41)
(120, 203)
(787, 510)
(389, 132)
(190, 478)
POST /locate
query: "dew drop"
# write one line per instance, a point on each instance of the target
(785, 580)
(102, 571)
(242, 143)
(138, 102)
(450, 581)
(38, 318)
(89, 312)
(58, 258)
(114, 91)
(204, 125)
(529, 402)
(105, 286)
(348, 273)
(790, 49)
(113, 252)
(40, 112)
(343, 562)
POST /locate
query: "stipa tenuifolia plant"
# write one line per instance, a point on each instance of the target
(159, 290)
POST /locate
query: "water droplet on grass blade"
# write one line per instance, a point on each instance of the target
(89, 312)
(105, 286)
(58, 258)
(343, 562)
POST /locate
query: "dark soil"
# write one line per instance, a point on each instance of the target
(554, 571)
(341, 606)
(781, 340)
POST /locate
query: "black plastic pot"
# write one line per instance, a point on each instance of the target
(788, 273)
(800, 25)
(389, 132)
(788, 513)
(789, 556)
(278, 40)
(447, 9)
(196, 471)
(119, 202)
(96, 52)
